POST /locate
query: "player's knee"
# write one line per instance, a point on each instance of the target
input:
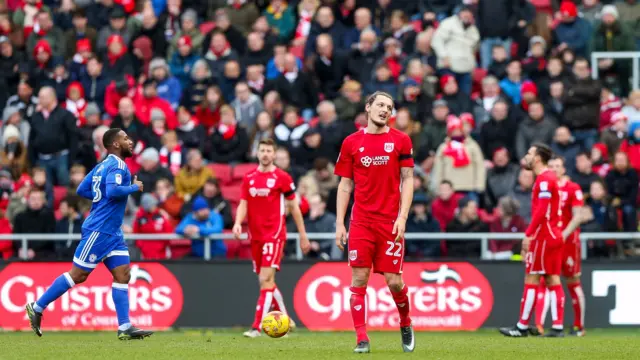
(360, 278)
(265, 280)
(78, 277)
(573, 279)
(122, 277)
(395, 284)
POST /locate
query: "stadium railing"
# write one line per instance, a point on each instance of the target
(633, 55)
(482, 237)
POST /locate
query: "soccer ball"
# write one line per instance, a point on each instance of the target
(276, 324)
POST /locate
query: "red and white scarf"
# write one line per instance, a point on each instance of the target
(458, 153)
(216, 55)
(77, 109)
(171, 159)
(304, 24)
(227, 131)
(257, 85)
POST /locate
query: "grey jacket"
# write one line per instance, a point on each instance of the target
(246, 113)
(530, 131)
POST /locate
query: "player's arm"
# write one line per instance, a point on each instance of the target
(84, 189)
(115, 188)
(539, 214)
(241, 213)
(406, 191)
(576, 220)
(345, 188)
(294, 210)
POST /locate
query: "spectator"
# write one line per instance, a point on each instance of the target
(319, 220)
(459, 160)
(511, 85)
(247, 106)
(330, 66)
(191, 134)
(563, 146)
(402, 30)
(13, 156)
(508, 221)
(81, 30)
(168, 200)
(555, 105)
(168, 86)
(262, 27)
(444, 206)
(76, 175)
(211, 193)
(150, 219)
(407, 125)
(435, 130)
(632, 110)
(381, 81)
(195, 93)
(306, 10)
(199, 224)
(353, 36)
(283, 161)
(609, 105)
(155, 31)
(142, 54)
(171, 152)
(332, 131)
(219, 52)
(24, 100)
(229, 142)
(496, 20)
(256, 79)
(584, 174)
(12, 116)
(237, 41)
(421, 221)
(414, 99)
(324, 23)
(53, 141)
(322, 174)
(498, 131)
(263, 130)
(117, 26)
(615, 133)
(70, 223)
(192, 175)
(582, 105)
(310, 149)
(38, 219)
(573, 32)
(631, 146)
(157, 129)
(455, 42)
(127, 121)
(622, 185)
(257, 53)
(208, 111)
(9, 64)
(230, 78)
(522, 193)
(6, 246)
(393, 57)
(117, 61)
(41, 67)
(555, 71)
(146, 100)
(600, 159)
(499, 62)
(151, 171)
(611, 35)
(489, 97)
(629, 14)
(95, 82)
(350, 102)
(537, 127)
(466, 221)
(189, 34)
(281, 18)
(424, 52)
(6, 189)
(458, 102)
(44, 29)
(295, 87)
(501, 178)
(25, 16)
(242, 14)
(122, 86)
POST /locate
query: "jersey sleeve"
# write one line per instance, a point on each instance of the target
(544, 189)
(244, 194)
(577, 197)
(117, 184)
(344, 163)
(287, 186)
(406, 152)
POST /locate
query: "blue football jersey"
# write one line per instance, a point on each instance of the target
(107, 214)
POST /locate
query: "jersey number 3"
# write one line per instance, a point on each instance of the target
(95, 186)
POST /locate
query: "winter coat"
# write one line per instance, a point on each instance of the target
(36, 222)
(188, 183)
(496, 134)
(500, 181)
(217, 203)
(213, 225)
(152, 223)
(576, 35)
(582, 105)
(451, 40)
(233, 150)
(66, 249)
(170, 90)
(361, 65)
(465, 248)
(246, 113)
(428, 249)
(623, 185)
(524, 199)
(531, 131)
(467, 178)
(516, 224)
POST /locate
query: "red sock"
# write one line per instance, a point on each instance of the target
(264, 306)
(402, 302)
(526, 305)
(542, 304)
(556, 302)
(359, 312)
(577, 300)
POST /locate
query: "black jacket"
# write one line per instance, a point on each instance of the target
(500, 182)
(300, 93)
(36, 222)
(582, 105)
(496, 18)
(55, 134)
(423, 248)
(231, 150)
(623, 186)
(192, 139)
(469, 249)
(584, 180)
(331, 74)
(149, 179)
(120, 67)
(66, 249)
(158, 39)
(496, 134)
(361, 65)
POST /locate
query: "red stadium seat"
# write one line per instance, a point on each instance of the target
(231, 193)
(240, 170)
(222, 172)
(59, 193)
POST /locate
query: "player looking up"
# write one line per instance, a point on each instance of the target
(543, 244)
(108, 185)
(375, 162)
(264, 191)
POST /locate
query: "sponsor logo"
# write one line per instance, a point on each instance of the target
(375, 160)
(155, 297)
(362, 149)
(443, 296)
(623, 287)
(388, 147)
(119, 179)
(271, 183)
(259, 192)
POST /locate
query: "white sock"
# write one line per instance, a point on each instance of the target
(124, 327)
(37, 308)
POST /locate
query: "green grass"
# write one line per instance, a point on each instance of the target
(228, 344)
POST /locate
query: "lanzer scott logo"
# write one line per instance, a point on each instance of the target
(376, 160)
(155, 298)
(443, 296)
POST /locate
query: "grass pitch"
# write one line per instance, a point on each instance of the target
(229, 344)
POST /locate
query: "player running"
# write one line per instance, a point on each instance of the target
(109, 186)
(542, 246)
(571, 204)
(375, 162)
(264, 191)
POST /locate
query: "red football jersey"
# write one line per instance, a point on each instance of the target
(570, 197)
(265, 193)
(545, 223)
(373, 161)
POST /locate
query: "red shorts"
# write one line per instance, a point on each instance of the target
(372, 244)
(572, 256)
(267, 253)
(544, 256)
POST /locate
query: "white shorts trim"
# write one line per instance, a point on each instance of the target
(118, 253)
(84, 264)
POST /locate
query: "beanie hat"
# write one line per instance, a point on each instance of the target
(92, 109)
(150, 154)
(8, 112)
(10, 131)
(148, 201)
(199, 203)
(610, 10)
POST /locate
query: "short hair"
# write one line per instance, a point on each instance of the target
(544, 152)
(561, 158)
(78, 13)
(536, 102)
(78, 168)
(73, 201)
(109, 137)
(94, 57)
(373, 97)
(446, 182)
(490, 79)
(580, 58)
(584, 153)
(268, 142)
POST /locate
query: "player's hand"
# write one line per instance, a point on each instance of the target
(305, 245)
(341, 236)
(139, 183)
(399, 227)
(237, 231)
(526, 242)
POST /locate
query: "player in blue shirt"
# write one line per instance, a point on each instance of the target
(108, 185)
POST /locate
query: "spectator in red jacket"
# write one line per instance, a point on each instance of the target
(6, 246)
(609, 105)
(146, 99)
(151, 220)
(122, 86)
(444, 206)
(631, 145)
(508, 221)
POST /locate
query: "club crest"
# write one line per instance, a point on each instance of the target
(271, 183)
(388, 147)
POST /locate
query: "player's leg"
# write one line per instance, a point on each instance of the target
(118, 262)
(571, 270)
(553, 266)
(541, 307)
(358, 306)
(266, 278)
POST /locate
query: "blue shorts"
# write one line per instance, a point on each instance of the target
(96, 247)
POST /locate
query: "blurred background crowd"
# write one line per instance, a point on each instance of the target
(198, 83)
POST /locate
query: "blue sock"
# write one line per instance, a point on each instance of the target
(120, 294)
(60, 286)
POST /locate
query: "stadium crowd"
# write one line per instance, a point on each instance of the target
(198, 83)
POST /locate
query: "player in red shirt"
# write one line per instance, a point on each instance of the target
(264, 191)
(571, 204)
(542, 246)
(376, 162)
